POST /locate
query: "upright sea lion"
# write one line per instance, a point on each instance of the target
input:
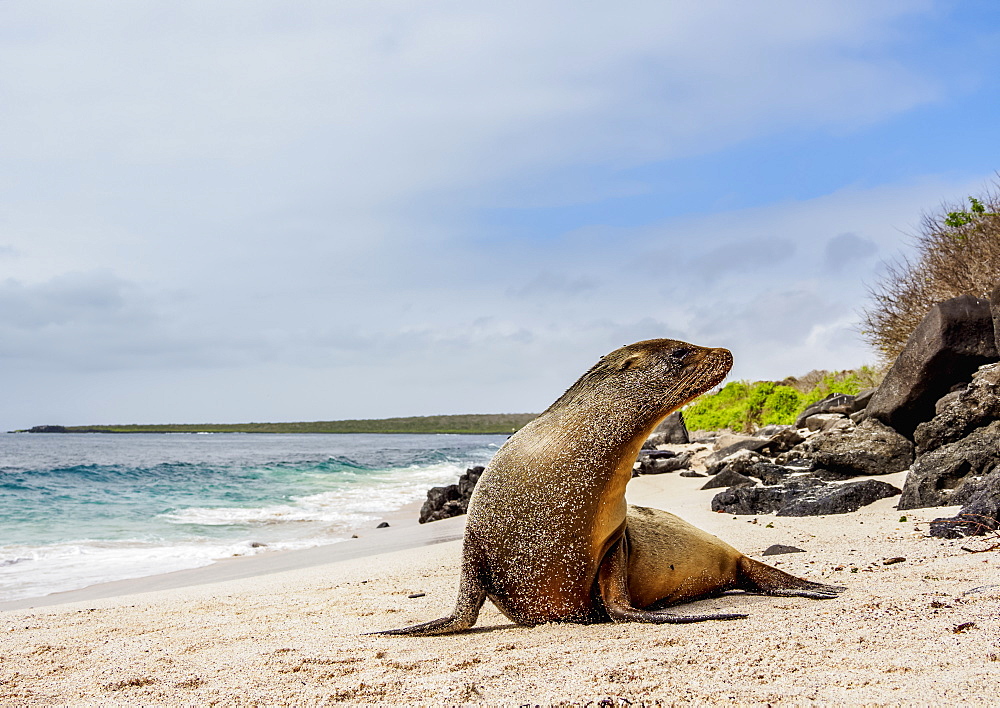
(549, 537)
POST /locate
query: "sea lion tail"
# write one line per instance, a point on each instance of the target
(754, 576)
(612, 584)
(471, 596)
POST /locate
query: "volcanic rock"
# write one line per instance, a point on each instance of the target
(837, 498)
(975, 406)
(673, 430)
(728, 477)
(760, 500)
(778, 549)
(451, 500)
(954, 339)
(939, 477)
(662, 461)
(871, 448)
(716, 461)
(841, 403)
(981, 511)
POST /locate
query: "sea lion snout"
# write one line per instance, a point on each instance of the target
(720, 359)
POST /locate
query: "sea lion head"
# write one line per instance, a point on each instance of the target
(647, 380)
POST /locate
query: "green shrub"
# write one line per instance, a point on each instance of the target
(745, 406)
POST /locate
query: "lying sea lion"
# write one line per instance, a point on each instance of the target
(549, 537)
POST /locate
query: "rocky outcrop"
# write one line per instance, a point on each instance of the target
(760, 500)
(936, 414)
(838, 403)
(451, 500)
(962, 411)
(953, 340)
(940, 477)
(672, 431)
(980, 512)
(661, 461)
(803, 497)
(739, 443)
(728, 478)
(752, 464)
(870, 448)
(822, 422)
(837, 498)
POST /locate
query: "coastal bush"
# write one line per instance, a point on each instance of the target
(745, 406)
(957, 252)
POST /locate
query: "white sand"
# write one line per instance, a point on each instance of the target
(296, 637)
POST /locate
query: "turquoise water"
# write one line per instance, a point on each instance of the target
(81, 509)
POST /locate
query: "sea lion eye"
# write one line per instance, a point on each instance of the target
(679, 354)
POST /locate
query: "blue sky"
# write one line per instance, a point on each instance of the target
(237, 211)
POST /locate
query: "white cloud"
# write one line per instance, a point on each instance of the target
(288, 194)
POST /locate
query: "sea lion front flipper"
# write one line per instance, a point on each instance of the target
(612, 585)
(754, 576)
(471, 596)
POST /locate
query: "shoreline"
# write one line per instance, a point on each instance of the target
(924, 629)
(404, 532)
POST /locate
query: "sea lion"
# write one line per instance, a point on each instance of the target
(549, 537)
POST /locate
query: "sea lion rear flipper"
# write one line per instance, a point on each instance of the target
(471, 596)
(612, 585)
(755, 576)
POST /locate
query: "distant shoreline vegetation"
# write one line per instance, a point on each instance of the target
(472, 424)
(739, 405)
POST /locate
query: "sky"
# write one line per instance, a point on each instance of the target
(236, 211)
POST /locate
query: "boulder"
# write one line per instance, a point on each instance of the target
(673, 429)
(760, 500)
(841, 403)
(769, 473)
(752, 464)
(451, 500)
(728, 478)
(862, 399)
(837, 498)
(781, 440)
(715, 460)
(740, 461)
(467, 481)
(805, 496)
(437, 497)
(939, 477)
(871, 448)
(662, 461)
(980, 513)
(691, 473)
(962, 411)
(826, 421)
(769, 431)
(944, 403)
(954, 339)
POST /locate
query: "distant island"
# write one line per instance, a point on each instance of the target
(482, 424)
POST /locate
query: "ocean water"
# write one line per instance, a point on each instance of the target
(81, 509)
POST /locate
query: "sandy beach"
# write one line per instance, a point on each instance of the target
(288, 629)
